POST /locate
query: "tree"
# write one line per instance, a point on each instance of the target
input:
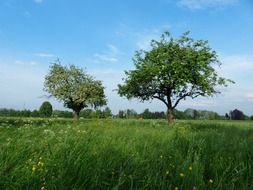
(131, 114)
(146, 114)
(74, 87)
(107, 112)
(227, 116)
(121, 114)
(173, 70)
(46, 109)
(237, 115)
(35, 113)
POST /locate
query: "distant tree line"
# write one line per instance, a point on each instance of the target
(187, 114)
(46, 110)
(237, 115)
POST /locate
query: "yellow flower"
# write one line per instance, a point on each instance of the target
(42, 188)
(40, 164)
(190, 168)
(181, 174)
(176, 188)
(34, 168)
(210, 181)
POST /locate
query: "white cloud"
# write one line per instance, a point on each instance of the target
(202, 4)
(249, 96)
(44, 55)
(145, 37)
(141, 37)
(31, 63)
(238, 68)
(238, 62)
(38, 1)
(108, 56)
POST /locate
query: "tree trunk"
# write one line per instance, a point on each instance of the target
(170, 115)
(76, 115)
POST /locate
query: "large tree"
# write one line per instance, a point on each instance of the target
(74, 87)
(172, 70)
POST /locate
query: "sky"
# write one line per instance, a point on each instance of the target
(102, 36)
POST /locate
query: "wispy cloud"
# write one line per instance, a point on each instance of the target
(141, 37)
(203, 4)
(108, 56)
(38, 1)
(238, 67)
(44, 55)
(31, 63)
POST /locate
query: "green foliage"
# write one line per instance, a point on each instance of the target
(107, 112)
(125, 154)
(18, 113)
(152, 115)
(62, 114)
(35, 113)
(201, 114)
(74, 87)
(173, 70)
(237, 115)
(46, 109)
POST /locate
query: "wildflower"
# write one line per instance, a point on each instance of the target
(210, 181)
(176, 188)
(44, 181)
(190, 168)
(34, 168)
(40, 164)
(42, 188)
(181, 174)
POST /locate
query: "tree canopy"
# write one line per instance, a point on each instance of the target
(74, 87)
(172, 70)
(46, 109)
(237, 115)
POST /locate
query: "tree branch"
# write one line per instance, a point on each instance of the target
(161, 99)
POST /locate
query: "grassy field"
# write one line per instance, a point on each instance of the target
(125, 154)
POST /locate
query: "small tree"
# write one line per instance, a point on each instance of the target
(237, 115)
(173, 70)
(74, 87)
(107, 112)
(46, 109)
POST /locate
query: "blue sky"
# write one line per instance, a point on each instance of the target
(102, 37)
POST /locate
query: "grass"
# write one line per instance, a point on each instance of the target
(125, 154)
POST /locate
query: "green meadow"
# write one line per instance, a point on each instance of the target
(125, 154)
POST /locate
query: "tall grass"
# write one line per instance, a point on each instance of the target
(125, 154)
